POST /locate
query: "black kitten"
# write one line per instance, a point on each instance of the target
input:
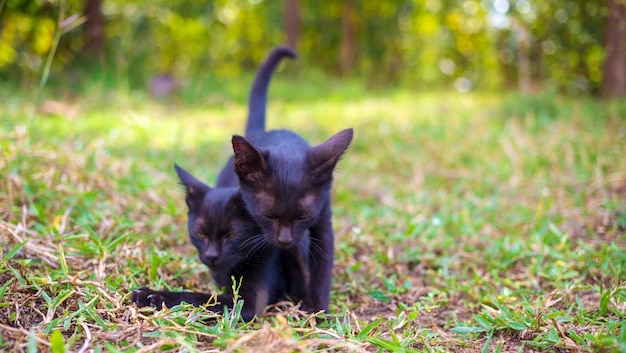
(230, 243)
(285, 184)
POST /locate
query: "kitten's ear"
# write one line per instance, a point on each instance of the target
(194, 187)
(323, 158)
(250, 165)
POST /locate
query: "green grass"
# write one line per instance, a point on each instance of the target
(477, 223)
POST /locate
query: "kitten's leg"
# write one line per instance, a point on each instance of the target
(226, 300)
(147, 297)
(321, 256)
(296, 271)
(255, 295)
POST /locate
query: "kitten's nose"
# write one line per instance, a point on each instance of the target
(284, 236)
(211, 260)
(212, 254)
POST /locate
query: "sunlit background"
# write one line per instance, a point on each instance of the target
(566, 46)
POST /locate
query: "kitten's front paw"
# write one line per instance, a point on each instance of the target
(145, 296)
(311, 309)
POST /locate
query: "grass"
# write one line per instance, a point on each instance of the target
(475, 223)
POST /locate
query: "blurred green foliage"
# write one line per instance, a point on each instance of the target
(417, 43)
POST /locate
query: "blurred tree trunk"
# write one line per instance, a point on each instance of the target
(614, 73)
(506, 69)
(348, 47)
(522, 36)
(292, 22)
(94, 28)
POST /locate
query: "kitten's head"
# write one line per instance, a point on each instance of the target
(286, 191)
(219, 226)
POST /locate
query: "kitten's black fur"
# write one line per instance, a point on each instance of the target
(229, 241)
(285, 185)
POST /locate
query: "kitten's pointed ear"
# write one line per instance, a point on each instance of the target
(250, 165)
(194, 187)
(323, 158)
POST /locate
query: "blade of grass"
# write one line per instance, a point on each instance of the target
(53, 49)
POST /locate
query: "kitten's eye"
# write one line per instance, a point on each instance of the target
(230, 236)
(200, 235)
(303, 217)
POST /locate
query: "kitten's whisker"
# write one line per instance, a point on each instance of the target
(257, 246)
(319, 252)
(251, 238)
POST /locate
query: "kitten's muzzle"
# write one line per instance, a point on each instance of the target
(212, 263)
(211, 255)
(212, 260)
(285, 238)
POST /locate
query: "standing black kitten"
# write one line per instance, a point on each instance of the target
(229, 241)
(285, 184)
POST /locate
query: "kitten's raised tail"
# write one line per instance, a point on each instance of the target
(258, 95)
